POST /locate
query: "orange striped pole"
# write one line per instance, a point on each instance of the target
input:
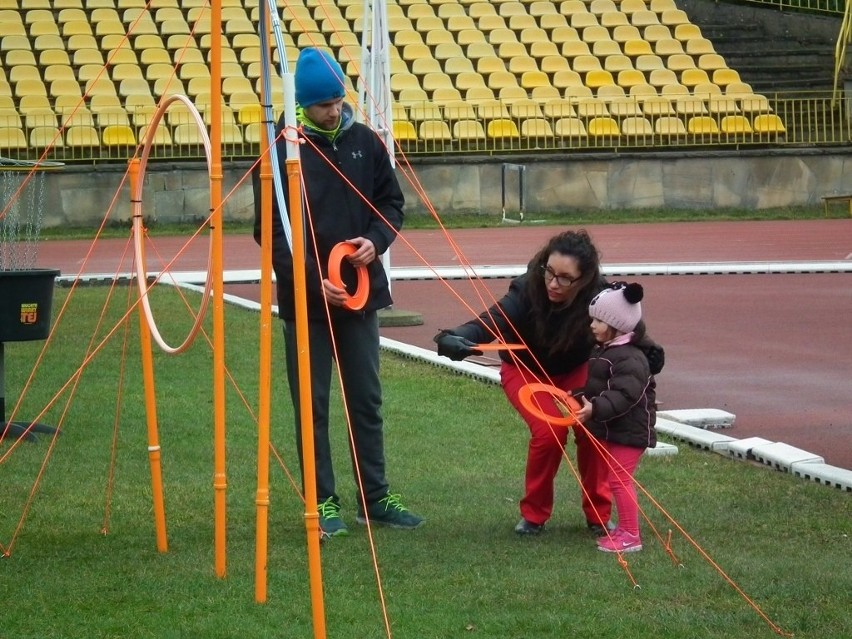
(306, 414)
(216, 265)
(265, 359)
(146, 349)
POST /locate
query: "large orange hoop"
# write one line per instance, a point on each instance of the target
(136, 201)
(356, 301)
(525, 397)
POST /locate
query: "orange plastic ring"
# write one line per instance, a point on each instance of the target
(525, 396)
(500, 346)
(353, 302)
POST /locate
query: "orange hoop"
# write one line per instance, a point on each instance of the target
(353, 302)
(559, 396)
(499, 346)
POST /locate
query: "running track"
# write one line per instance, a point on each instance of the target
(774, 349)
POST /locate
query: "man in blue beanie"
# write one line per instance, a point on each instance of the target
(351, 195)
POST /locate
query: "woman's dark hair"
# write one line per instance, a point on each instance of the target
(574, 312)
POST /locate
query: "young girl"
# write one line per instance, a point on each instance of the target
(618, 406)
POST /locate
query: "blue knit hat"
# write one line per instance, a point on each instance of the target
(318, 78)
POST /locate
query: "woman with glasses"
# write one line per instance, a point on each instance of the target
(546, 310)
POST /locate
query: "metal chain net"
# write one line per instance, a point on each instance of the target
(21, 217)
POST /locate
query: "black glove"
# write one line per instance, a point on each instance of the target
(455, 347)
(656, 357)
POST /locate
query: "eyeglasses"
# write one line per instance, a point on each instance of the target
(561, 280)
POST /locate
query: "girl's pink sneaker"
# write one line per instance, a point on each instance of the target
(620, 541)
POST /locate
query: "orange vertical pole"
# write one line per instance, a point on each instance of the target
(265, 358)
(219, 476)
(306, 415)
(146, 349)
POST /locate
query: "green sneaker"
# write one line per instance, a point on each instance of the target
(389, 511)
(330, 522)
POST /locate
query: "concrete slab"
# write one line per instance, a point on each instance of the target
(824, 474)
(781, 456)
(741, 448)
(701, 417)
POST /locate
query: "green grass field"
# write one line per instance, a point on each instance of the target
(84, 562)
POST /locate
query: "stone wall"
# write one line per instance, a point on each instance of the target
(81, 196)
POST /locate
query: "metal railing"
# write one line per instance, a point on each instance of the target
(626, 123)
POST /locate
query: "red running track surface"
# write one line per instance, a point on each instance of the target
(775, 349)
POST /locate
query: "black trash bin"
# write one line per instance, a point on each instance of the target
(26, 299)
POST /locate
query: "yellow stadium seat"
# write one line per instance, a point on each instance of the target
(702, 125)
(644, 18)
(435, 131)
(735, 124)
(542, 50)
(500, 79)
(591, 107)
(691, 77)
(586, 63)
(468, 80)
(570, 128)
(420, 111)
(686, 31)
(412, 94)
(577, 93)
(689, 105)
(724, 77)
(530, 34)
(422, 66)
(636, 48)
(613, 19)
(673, 17)
(669, 126)
(603, 127)
(699, 46)
(30, 86)
(680, 62)
(655, 32)
(662, 77)
(468, 131)
(492, 109)
(76, 27)
(722, 104)
(12, 138)
(559, 108)
(502, 129)
(51, 50)
(477, 50)
(458, 110)
(187, 135)
(404, 131)
(116, 135)
(65, 87)
(617, 62)
(595, 33)
(477, 95)
(525, 108)
(649, 62)
(565, 79)
(522, 63)
(563, 35)
(604, 48)
(438, 80)
(583, 20)
(668, 46)
(10, 118)
(624, 107)
(510, 95)
(768, 123)
(490, 64)
(636, 126)
(442, 96)
(753, 103)
(42, 137)
(466, 37)
(705, 90)
(533, 79)
(643, 91)
(551, 64)
(598, 78)
(82, 136)
(43, 28)
(112, 116)
(632, 6)
(711, 62)
(168, 86)
(659, 106)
